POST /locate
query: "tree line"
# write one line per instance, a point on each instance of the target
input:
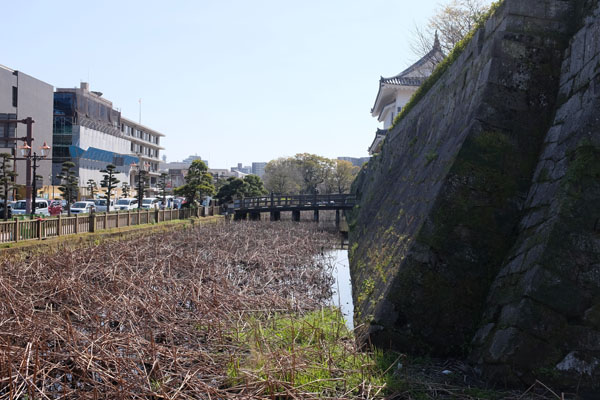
(309, 174)
(302, 174)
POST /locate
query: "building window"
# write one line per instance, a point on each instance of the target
(15, 96)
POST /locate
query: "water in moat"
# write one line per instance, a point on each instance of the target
(342, 287)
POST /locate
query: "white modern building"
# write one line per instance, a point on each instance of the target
(91, 133)
(144, 143)
(87, 132)
(394, 92)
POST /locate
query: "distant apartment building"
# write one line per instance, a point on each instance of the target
(89, 132)
(176, 173)
(144, 144)
(222, 173)
(243, 169)
(190, 159)
(23, 96)
(258, 168)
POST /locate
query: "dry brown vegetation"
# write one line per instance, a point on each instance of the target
(150, 317)
(215, 311)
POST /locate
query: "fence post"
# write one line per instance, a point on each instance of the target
(58, 225)
(106, 220)
(76, 223)
(128, 217)
(39, 228)
(157, 215)
(92, 222)
(117, 222)
(17, 230)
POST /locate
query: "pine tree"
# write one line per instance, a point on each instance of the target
(109, 182)
(69, 184)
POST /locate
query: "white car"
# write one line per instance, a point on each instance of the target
(82, 207)
(151, 203)
(101, 205)
(41, 207)
(126, 204)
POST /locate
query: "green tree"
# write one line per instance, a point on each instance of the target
(249, 186)
(233, 188)
(69, 183)
(92, 187)
(254, 186)
(125, 190)
(109, 181)
(7, 180)
(313, 170)
(142, 186)
(162, 187)
(198, 183)
(282, 176)
(341, 177)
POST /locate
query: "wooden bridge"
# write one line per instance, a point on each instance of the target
(252, 207)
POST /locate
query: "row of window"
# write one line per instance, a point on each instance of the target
(131, 131)
(146, 151)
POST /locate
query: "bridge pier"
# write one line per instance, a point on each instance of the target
(239, 216)
(296, 215)
(316, 216)
(275, 215)
(254, 216)
(337, 218)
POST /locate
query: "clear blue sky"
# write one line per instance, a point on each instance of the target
(229, 80)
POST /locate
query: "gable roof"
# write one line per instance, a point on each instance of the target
(404, 78)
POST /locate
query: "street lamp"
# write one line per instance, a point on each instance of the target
(34, 158)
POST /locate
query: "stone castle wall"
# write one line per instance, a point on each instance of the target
(440, 220)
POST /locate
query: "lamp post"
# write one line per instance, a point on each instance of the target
(33, 159)
(27, 139)
(51, 183)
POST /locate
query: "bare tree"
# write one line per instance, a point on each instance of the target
(451, 22)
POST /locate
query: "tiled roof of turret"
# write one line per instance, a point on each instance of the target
(434, 56)
(404, 81)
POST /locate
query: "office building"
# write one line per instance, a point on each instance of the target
(23, 96)
(144, 143)
(258, 168)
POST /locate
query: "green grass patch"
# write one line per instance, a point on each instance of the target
(311, 353)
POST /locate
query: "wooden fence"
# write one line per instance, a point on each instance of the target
(16, 230)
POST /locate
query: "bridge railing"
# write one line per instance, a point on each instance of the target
(302, 200)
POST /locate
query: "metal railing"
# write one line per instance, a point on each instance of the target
(16, 230)
(302, 200)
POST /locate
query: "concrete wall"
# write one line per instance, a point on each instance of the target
(35, 99)
(87, 137)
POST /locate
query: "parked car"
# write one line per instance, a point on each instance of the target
(151, 203)
(101, 205)
(41, 207)
(55, 207)
(82, 207)
(126, 204)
